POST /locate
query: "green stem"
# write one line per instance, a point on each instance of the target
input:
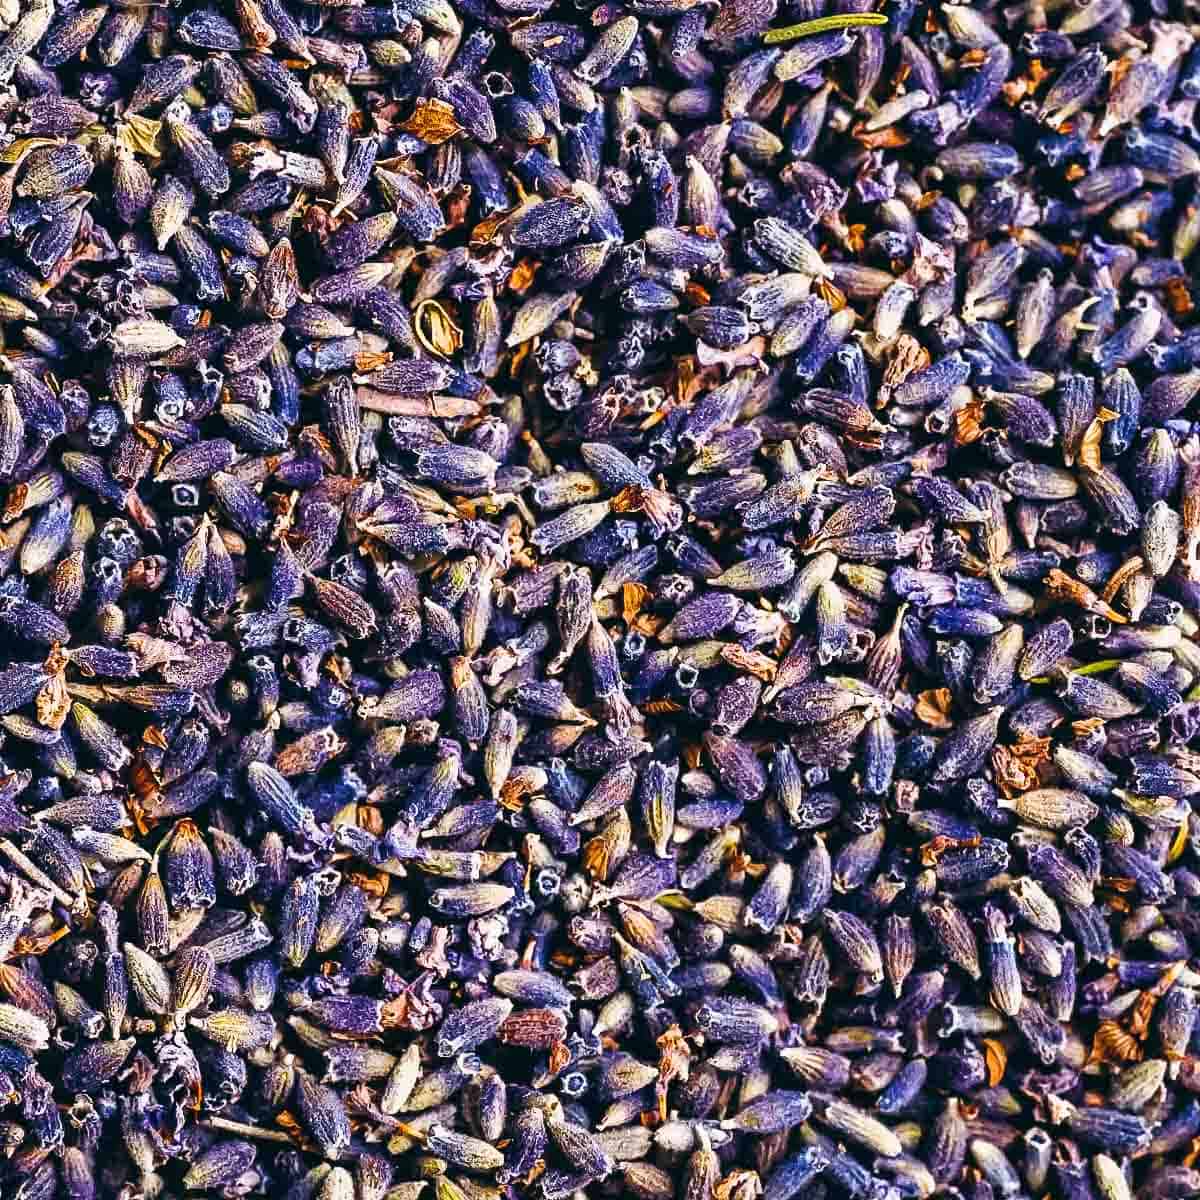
(1099, 667)
(789, 33)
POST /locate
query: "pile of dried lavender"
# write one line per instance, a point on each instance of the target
(595, 602)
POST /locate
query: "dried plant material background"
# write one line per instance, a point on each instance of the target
(599, 600)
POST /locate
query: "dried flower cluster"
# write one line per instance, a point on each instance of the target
(599, 599)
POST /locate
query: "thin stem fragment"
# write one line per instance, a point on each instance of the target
(789, 33)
